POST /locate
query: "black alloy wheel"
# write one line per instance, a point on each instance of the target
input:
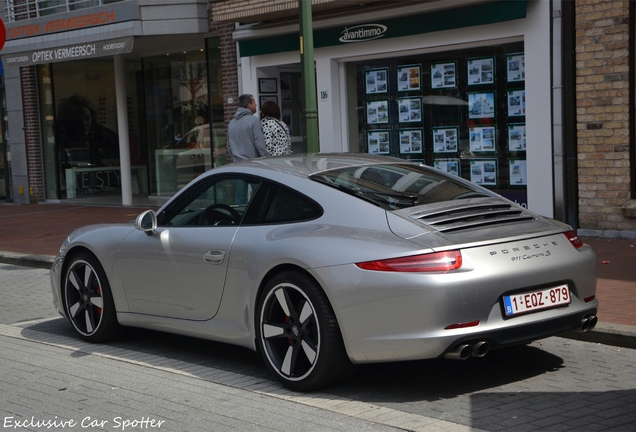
(298, 335)
(88, 301)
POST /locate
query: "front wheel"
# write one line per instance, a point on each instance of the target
(298, 335)
(88, 301)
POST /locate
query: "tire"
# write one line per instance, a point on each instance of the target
(88, 301)
(298, 335)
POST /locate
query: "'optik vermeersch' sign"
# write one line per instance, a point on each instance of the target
(70, 52)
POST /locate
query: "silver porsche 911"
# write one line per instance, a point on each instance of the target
(319, 262)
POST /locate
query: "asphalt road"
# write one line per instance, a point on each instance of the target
(153, 381)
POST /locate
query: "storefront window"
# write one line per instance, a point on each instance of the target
(5, 176)
(79, 129)
(182, 102)
(215, 89)
(174, 107)
(462, 111)
(53, 175)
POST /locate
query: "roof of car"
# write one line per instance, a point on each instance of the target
(305, 164)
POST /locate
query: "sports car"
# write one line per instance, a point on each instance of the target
(319, 262)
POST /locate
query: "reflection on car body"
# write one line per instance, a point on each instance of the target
(322, 261)
(197, 137)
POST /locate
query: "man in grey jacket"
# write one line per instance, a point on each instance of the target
(244, 134)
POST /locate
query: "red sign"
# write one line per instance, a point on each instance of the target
(54, 26)
(3, 34)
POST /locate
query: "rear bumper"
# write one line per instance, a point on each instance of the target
(517, 335)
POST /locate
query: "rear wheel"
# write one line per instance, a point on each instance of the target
(298, 335)
(88, 301)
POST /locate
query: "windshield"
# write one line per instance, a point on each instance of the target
(396, 186)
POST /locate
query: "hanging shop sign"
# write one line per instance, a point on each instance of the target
(78, 51)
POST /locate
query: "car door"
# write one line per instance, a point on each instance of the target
(179, 270)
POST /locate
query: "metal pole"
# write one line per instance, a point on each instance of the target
(308, 76)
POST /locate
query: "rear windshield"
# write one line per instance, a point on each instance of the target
(397, 186)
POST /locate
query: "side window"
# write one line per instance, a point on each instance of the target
(214, 201)
(283, 205)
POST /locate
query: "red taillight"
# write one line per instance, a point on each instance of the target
(433, 262)
(574, 239)
(589, 299)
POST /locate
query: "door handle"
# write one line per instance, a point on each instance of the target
(214, 256)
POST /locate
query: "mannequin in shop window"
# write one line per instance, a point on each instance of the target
(83, 142)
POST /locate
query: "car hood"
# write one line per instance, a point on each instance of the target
(469, 222)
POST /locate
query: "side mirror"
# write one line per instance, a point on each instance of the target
(147, 222)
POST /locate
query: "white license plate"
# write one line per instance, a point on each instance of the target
(537, 300)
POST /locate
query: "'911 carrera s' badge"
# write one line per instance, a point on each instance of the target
(530, 256)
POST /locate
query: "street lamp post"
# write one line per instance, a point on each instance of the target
(309, 103)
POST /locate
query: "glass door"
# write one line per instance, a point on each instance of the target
(291, 106)
(184, 116)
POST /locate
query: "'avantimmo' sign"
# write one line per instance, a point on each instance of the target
(362, 33)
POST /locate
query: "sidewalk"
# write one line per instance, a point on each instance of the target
(30, 235)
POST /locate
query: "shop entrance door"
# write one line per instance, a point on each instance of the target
(291, 106)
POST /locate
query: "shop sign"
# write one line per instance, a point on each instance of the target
(82, 19)
(57, 25)
(71, 52)
(362, 33)
(448, 19)
(98, 181)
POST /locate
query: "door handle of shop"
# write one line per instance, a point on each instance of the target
(214, 256)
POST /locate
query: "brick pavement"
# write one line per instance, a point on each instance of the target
(109, 391)
(40, 229)
(616, 287)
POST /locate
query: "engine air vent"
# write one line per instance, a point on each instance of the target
(478, 216)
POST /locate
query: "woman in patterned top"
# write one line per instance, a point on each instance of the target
(277, 138)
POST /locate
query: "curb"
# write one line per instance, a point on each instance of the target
(26, 260)
(604, 333)
(608, 334)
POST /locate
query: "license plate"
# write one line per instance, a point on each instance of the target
(537, 300)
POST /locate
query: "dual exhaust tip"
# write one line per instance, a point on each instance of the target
(587, 323)
(464, 351)
(480, 349)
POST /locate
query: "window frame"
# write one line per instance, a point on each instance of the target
(252, 216)
(183, 199)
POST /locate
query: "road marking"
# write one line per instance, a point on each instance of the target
(352, 408)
